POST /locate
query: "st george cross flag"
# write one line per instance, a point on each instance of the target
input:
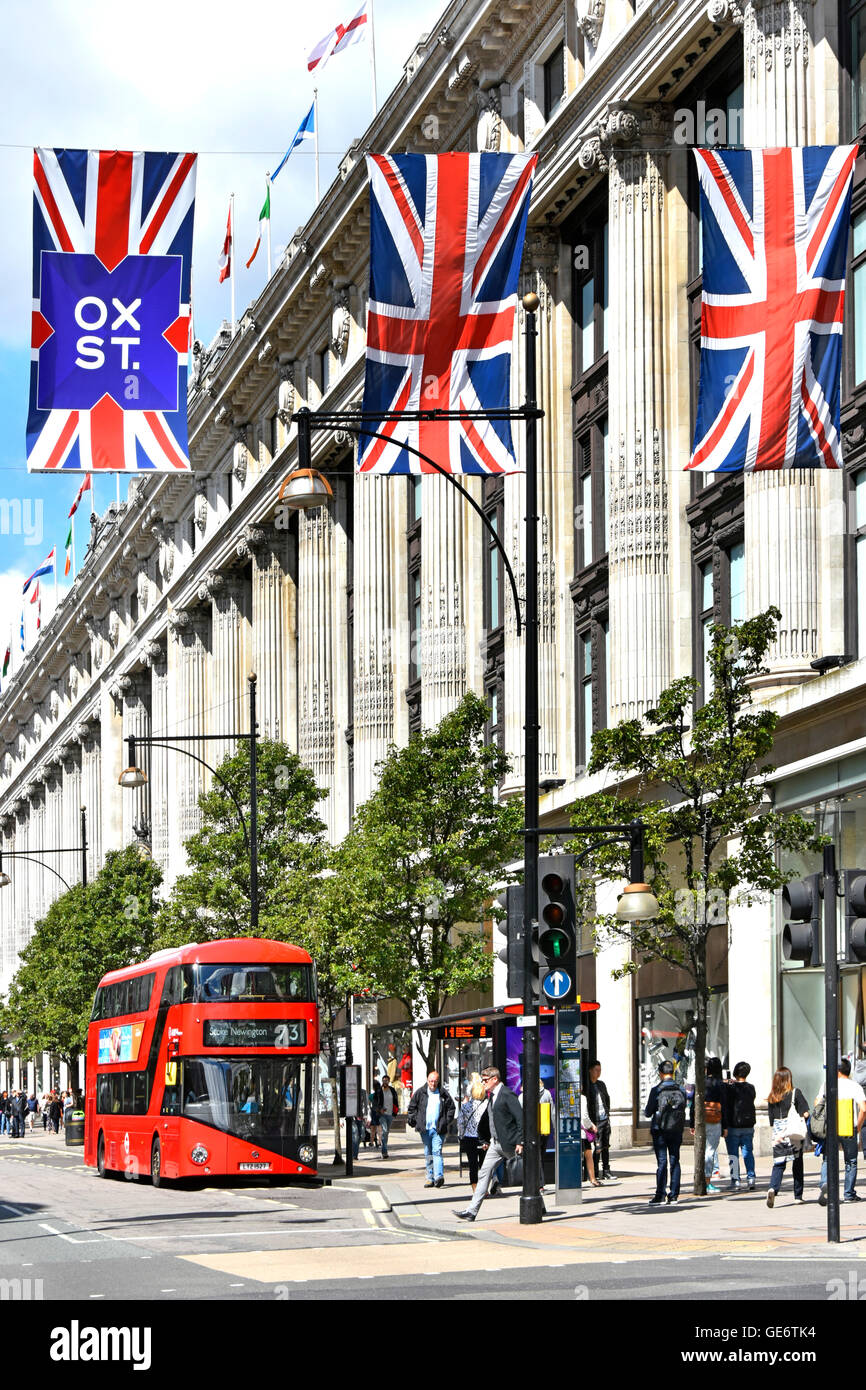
(340, 38)
(47, 567)
(446, 239)
(112, 249)
(775, 238)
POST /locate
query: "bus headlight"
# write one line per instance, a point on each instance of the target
(199, 1154)
(307, 1154)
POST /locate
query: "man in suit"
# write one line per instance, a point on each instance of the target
(504, 1118)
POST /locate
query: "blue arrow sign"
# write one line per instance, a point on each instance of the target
(557, 984)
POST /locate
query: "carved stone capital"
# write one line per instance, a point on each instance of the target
(252, 538)
(212, 585)
(341, 320)
(725, 12)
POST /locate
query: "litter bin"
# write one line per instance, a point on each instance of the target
(74, 1128)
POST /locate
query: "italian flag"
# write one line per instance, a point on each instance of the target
(68, 566)
(264, 216)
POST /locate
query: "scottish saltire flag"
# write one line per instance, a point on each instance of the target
(446, 239)
(112, 248)
(306, 131)
(775, 239)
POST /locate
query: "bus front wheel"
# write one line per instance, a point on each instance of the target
(100, 1158)
(156, 1176)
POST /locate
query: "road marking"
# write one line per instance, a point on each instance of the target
(322, 1264)
(72, 1241)
(16, 1211)
(259, 1235)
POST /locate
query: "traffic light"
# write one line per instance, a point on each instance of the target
(855, 914)
(557, 929)
(511, 927)
(801, 935)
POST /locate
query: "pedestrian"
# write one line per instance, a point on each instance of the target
(430, 1112)
(502, 1125)
(405, 1079)
(471, 1110)
(32, 1110)
(389, 1110)
(54, 1112)
(359, 1124)
(784, 1098)
(588, 1136)
(852, 1112)
(858, 1074)
(598, 1104)
(13, 1114)
(714, 1117)
(740, 1121)
(375, 1112)
(666, 1108)
(46, 1101)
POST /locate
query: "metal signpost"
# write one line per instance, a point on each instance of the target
(569, 1137)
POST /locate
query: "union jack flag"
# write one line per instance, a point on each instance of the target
(112, 250)
(775, 241)
(446, 238)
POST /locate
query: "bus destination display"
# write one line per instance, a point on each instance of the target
(255, 1032)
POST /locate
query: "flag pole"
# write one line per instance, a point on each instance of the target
(316, 137)
(232, 258)
(373, 61)
(74, 566)
(268, 186)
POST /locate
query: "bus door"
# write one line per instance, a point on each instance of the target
(169, 1119)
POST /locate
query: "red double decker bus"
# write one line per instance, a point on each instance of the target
(203, 1061)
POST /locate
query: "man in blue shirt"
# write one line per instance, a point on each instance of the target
(431, 1111)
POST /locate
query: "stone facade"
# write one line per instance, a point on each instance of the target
(196, 581)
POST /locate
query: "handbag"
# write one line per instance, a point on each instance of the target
(713, 1112)
(514, 1171)
(795, 1129)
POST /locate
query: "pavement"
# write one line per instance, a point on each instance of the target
(613, 1221)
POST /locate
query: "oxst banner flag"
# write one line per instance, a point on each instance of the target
(112, 251)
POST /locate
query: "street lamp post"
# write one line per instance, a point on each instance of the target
(28, 856)
(134, 777)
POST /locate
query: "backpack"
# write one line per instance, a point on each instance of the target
(818, 1119)
(671, 1112)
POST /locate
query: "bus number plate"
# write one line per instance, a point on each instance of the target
(252, 1167)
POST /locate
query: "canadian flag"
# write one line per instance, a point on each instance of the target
(340, 38)
(225, 260)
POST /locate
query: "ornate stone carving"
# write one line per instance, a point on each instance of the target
(212, 585)
(589, 19)
(223, 417)
(341, 320)
(286, 394)
(197, 363)
(120, 687)
(162, 533)
(265, 351)
(725, 12)
(489, 134)
(252, 538)
(200, 508)
(240, 454)
(776, 31)
(179, 620)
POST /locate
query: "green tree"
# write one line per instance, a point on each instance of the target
(212, 899)
(85, 932)
(699, 778)
(414, 878)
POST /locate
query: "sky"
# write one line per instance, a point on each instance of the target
(229, 82)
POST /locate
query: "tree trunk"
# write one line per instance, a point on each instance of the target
(700, 1181)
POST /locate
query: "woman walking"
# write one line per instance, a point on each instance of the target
(467, 1123)
(376, 1113)
(784, 1104)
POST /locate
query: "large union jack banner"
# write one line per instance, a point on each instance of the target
(446, 238)
(112, 251)
(775, 240)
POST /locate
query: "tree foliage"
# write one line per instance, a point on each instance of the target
(699, 779)
(86, 932)
(414, 878)
(212, 899)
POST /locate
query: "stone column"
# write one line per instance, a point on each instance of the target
(638, 498)
(377, 627)
(112, 764)
(317, 619)
(793, 541)
(134, 693)
(188, 685)
(162, 762)
(71, 802)
(274, 556)
(230, 665)
(91, 791)
(444, 597)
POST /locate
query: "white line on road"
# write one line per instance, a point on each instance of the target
(16, 1211)
(221, 1235)
(72, 1241)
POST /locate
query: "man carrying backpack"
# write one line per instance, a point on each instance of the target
(666, 1106)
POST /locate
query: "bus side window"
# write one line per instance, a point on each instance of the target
(171, 1096)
